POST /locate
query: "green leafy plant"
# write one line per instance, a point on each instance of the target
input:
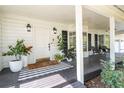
(26, 50)
(112, 78)
(59, 57)
(60, 44)
(18, 50)
(70, 53)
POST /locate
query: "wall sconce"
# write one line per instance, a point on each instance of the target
(54, 30)
(28, 28)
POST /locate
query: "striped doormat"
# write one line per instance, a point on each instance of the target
(29, 74)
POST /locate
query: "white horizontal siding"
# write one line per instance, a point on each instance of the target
(11, 31)
(14, 27)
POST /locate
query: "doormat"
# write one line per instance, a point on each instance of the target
(42, 64)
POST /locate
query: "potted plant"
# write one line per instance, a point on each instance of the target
(16, 50)
(59, 57)
(70, 54)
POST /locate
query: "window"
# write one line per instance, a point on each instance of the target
(72, 39)
(107, 41)
(117, 46)
(122, 46)
(101, 40)
(84, 41)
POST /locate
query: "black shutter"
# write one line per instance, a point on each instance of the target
(65, 41)
(89, 41)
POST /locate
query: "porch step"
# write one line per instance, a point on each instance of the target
(70, 84)
(91, 75)
(75, 85)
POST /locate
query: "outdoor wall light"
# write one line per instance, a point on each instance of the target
(28, 28)
(54, 30)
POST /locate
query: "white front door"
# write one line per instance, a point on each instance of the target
(41, 42)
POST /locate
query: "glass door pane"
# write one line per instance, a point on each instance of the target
(101, 40)
(72, 39)
(84, 41)
(107, 41)
(122, 46)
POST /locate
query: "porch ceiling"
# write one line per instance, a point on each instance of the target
(116, 11)
(57, 13)
(95, 20)
(66, 14)
(120, 23)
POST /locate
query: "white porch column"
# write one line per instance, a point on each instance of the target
(79, 43)
(112, 40)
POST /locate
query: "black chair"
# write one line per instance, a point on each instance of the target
(104, 49)
(95, 50)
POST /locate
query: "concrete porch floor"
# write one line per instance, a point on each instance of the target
(60, 79)
(55, 80)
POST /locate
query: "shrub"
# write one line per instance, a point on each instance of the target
(70, 53)
(112, 78)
